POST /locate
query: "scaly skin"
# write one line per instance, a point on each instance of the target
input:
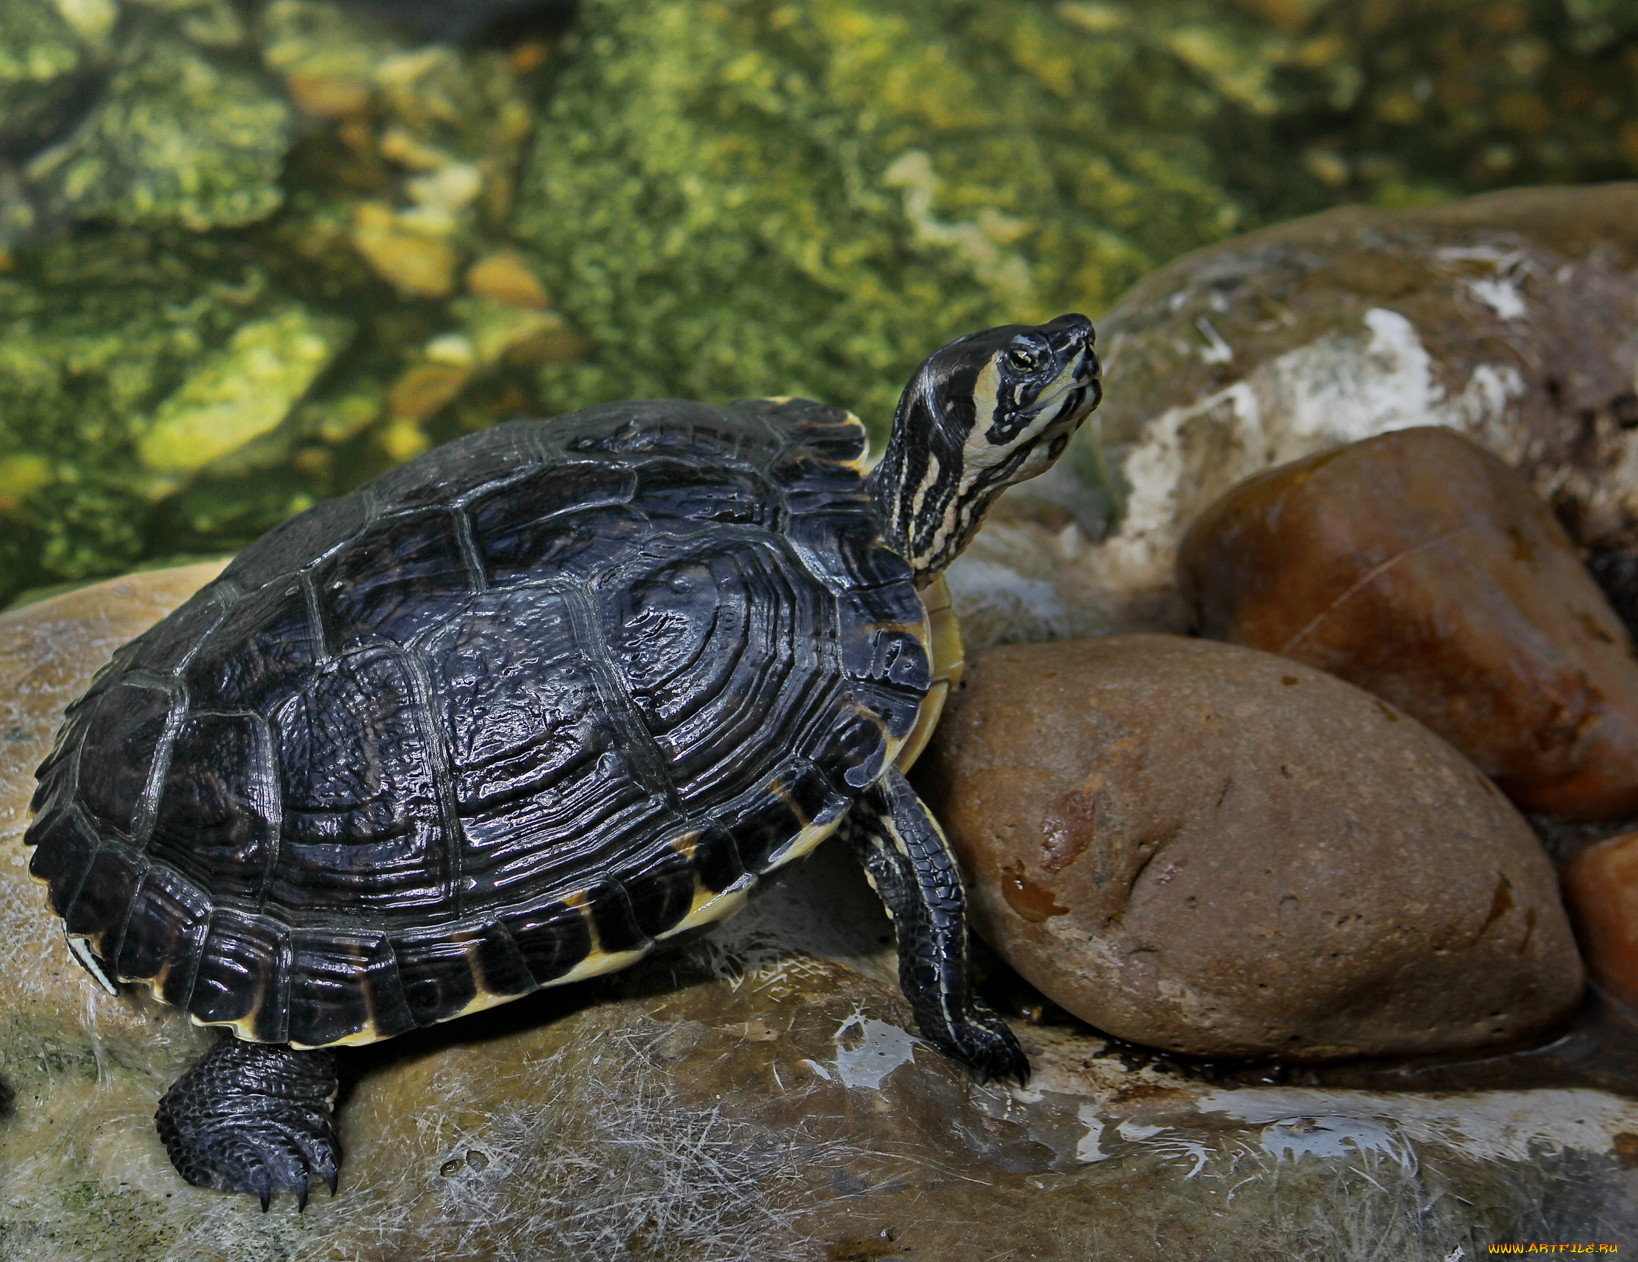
(254, 1117)
(908, 860)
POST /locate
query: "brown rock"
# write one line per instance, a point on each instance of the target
(1218, 851)
(426, 389)
(1420, 567)
(1601, 888)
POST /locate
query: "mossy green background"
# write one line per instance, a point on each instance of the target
(760, 196)
(724, 197)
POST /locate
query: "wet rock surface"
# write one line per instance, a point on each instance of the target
(1509, 318)
(1423, 569)
(758, 1097)
(181, 137)
(265, 220)
(1217, 851)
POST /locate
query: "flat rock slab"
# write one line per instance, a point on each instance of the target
(757, 1097)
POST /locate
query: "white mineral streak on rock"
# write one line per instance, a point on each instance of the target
(1339, 388)
(1217, 351)
(1501, 295)
(1501, 291)
(883, 1049)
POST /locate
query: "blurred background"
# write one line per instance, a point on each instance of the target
(252, 253)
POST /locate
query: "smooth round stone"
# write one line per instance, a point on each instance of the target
(1217, 851)
(1601, 887)
(1424, 569)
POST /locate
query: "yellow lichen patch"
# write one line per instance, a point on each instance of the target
(504, 277)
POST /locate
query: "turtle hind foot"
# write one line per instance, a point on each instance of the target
(984, 1041)
(256, 1118)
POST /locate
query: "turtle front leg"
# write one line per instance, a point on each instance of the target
(908, 860)
(254, 1117)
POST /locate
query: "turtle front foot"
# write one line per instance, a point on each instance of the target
(984, 1041)
(909, 861)
(254, 1117)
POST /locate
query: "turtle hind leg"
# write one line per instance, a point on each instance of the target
(254, 1117)
(910, 863)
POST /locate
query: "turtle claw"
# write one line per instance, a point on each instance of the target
(254, 1118)
(254, 1155)
(984, 1041)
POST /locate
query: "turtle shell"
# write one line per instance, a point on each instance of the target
(502, 718)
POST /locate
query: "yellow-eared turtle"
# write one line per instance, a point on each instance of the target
(519, 710)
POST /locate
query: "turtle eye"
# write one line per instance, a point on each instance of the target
(1023, 359)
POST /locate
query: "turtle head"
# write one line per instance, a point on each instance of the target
(986, 411)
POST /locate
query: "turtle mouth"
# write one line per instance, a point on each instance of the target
(1076, 391)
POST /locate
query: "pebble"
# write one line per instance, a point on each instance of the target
(505, 277)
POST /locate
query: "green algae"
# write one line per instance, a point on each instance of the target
(95, 338)
(241, 392)
(755, 196)
(181, 137)
(726, 198)
(42, 63)
(758, 197)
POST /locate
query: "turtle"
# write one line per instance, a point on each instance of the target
(525, 707)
